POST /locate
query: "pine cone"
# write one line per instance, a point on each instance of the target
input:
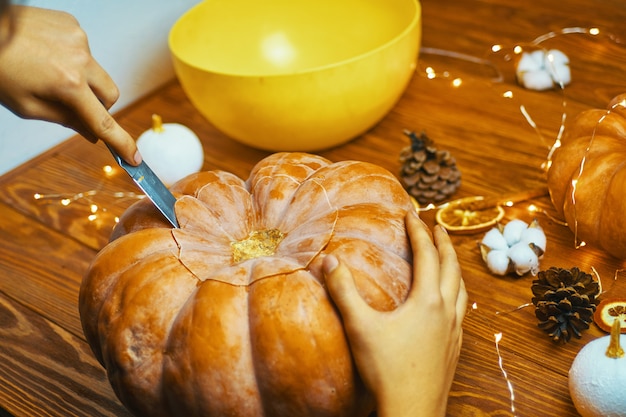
(564, 302)
(428, 174)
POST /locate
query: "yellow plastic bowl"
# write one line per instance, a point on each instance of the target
(296, 75)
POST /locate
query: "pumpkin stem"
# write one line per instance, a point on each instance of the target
(258, 243)
(614, 350)
(157, 123)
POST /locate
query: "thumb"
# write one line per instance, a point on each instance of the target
(99, 124)
(342, 289)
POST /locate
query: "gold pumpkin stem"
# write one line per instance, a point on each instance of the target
(259, 243)
(614, 350)
(157, 123)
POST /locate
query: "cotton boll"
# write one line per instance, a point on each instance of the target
(540, 70)
(539, 56)
(517, 246)
(557, 57)
(524, 259)
(495, 240)
(561, 75)
(531, 71)
(513, 231)
(534, 235)
(529, 62)
(557, 64)
(498, 262)
(537, 80)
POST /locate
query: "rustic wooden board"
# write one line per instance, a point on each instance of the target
(46, 369)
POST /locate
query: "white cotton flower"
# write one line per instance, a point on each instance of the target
(557, 64)
(494, 240)
(558, 57)
(523, 258)
(536, 80)
(541, 70)
(534, 235)
(498, 262)
(513, 231)
(531, 61)
(516, 247)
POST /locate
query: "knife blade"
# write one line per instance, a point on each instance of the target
(151, 185)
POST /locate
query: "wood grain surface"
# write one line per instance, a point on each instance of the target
(46, 368)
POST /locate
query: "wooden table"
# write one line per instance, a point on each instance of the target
(46, 368)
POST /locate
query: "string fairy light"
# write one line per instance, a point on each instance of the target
(556, 143)
(593, 31)
(552, 147)
(509, 384)
(581, 168)
(456, 81)
(498, 335)
(93, 209)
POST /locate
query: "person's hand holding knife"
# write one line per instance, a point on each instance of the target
(47, 73)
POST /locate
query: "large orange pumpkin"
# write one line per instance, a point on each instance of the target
(587, 177)
(228, 315)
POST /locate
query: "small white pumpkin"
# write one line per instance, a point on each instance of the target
(597, 378)
(172, 150)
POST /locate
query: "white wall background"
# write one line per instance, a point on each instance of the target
(128, 38)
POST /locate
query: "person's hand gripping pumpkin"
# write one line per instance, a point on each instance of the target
(407, 357)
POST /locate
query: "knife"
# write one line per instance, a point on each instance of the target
(151, 185)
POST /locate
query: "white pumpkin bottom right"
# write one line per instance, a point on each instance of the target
(597, 383)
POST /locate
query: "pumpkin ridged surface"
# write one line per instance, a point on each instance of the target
(184, 329)
(587, 177)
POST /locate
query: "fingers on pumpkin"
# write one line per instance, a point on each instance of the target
(342, 289)
(437, 272)
(461, 303)
(452, 285)
(425, 258)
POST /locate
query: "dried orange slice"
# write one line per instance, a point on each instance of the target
(610, 310)
(467, 215)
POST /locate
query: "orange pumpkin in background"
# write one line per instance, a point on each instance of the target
(228, 315)
(587, 177)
